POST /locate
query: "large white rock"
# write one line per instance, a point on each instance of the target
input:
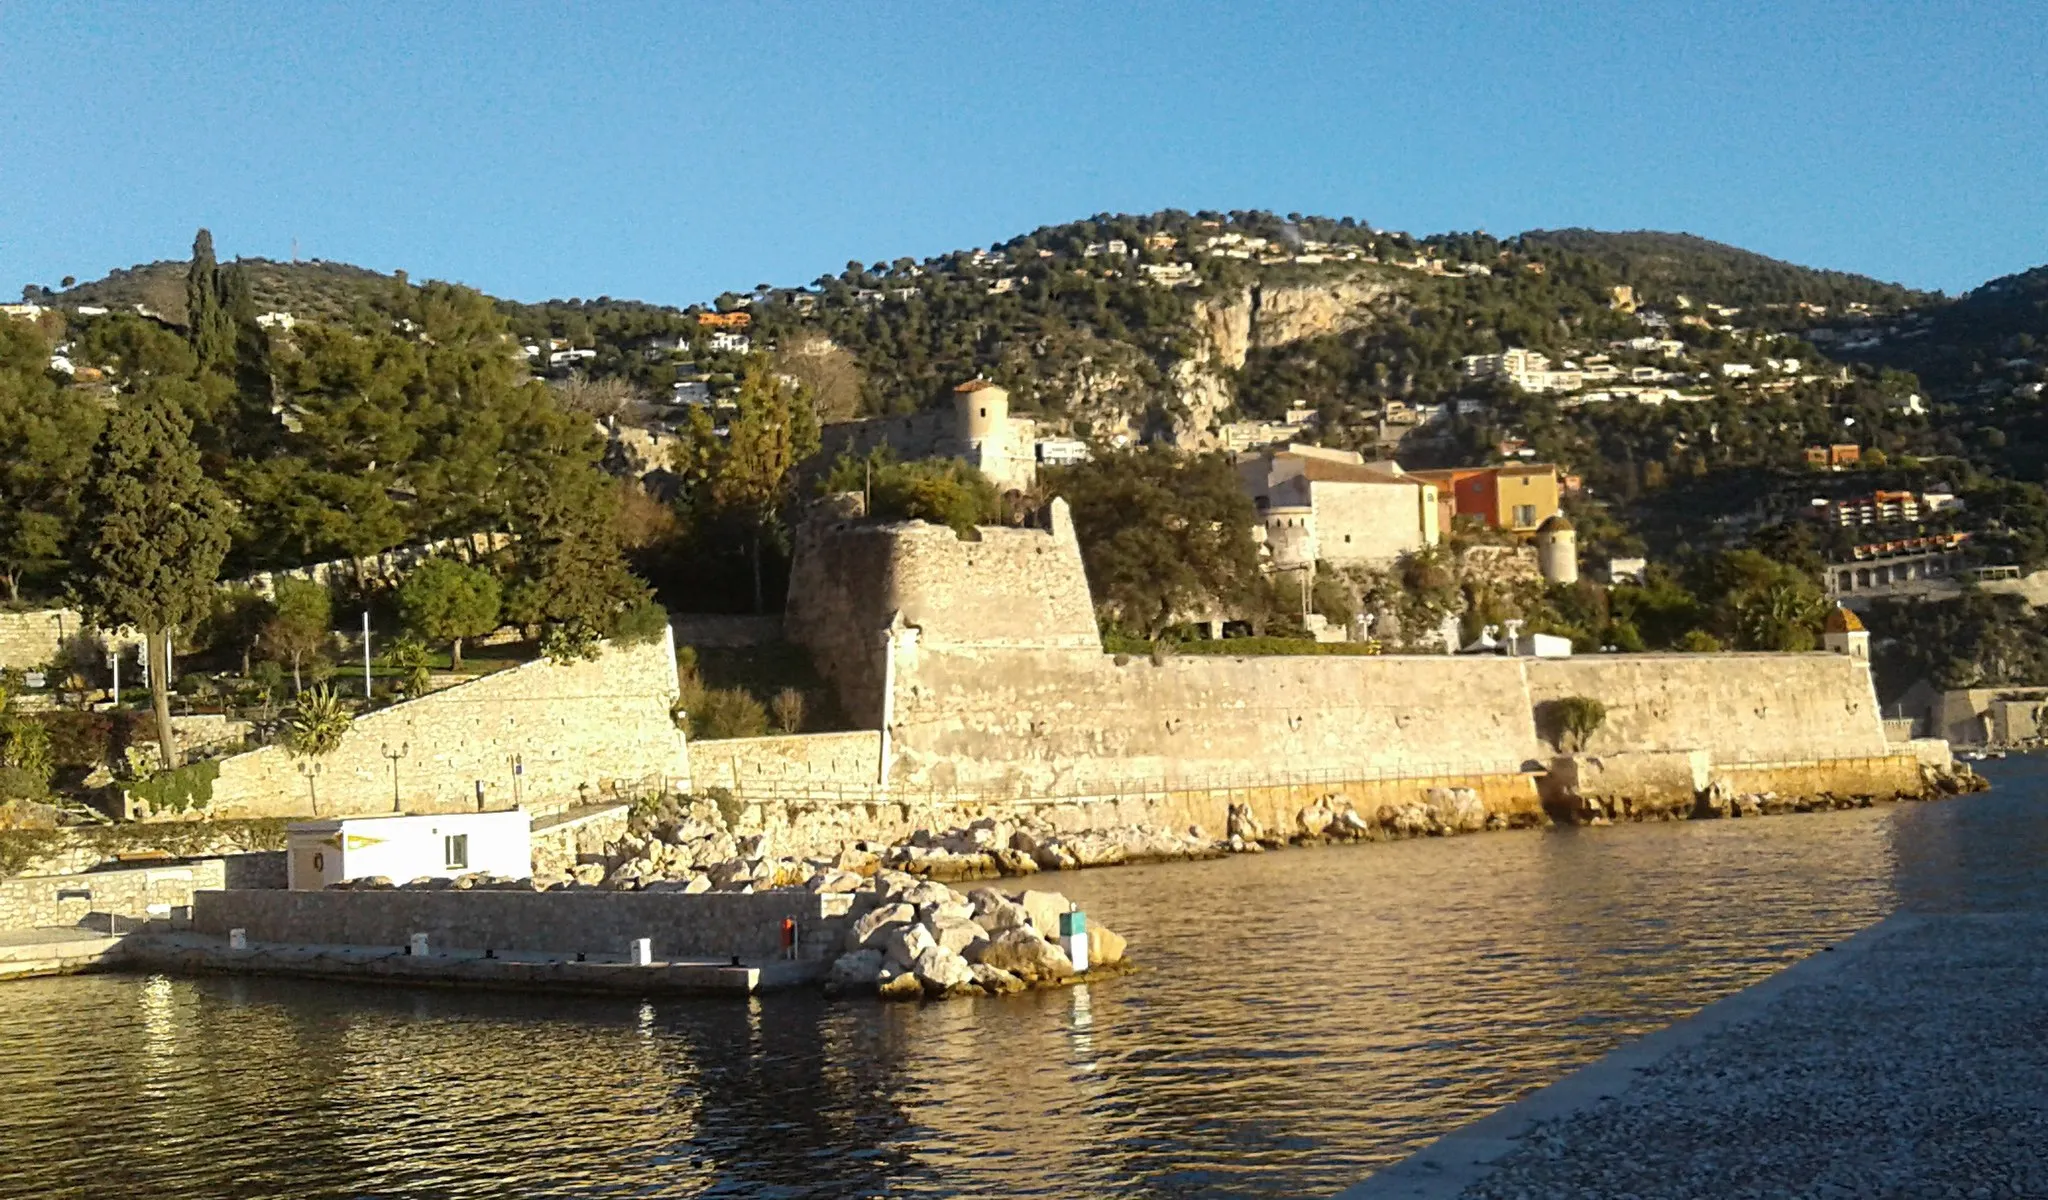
(869, 927)
(899, 985)
(587, 874)
(1104, 947)
(901, 944)
(995, 980)
(834, 881)
(942, 971)
(1044, 909)
(926, 892)
(855, 971)
(1026, 955)
(957, 934)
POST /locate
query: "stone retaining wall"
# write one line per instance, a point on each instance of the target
(709, 925)
(542, 734)
(820, 760)
(32, 901)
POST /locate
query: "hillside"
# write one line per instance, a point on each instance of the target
(1662, 266)
(1684, 426)
(312, 290)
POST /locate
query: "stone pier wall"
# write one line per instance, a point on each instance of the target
(709, 925)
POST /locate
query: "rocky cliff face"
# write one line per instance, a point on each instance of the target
(1229, 327)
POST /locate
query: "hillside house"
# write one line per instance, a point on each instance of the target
(1331, 505)
(1516, 498)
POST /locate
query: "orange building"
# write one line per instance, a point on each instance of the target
(1835, 457)
(1517, 497)
(726, 320)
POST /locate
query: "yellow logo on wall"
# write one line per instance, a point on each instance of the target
(357, 841)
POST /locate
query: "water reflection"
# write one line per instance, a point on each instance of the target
(1302, 1017)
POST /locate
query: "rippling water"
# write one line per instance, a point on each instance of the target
(1303, 1016)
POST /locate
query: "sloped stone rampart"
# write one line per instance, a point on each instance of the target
(539, 735)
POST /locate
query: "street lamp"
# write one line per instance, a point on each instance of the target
(311, 770)
(404, 749)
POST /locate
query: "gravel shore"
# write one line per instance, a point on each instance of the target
(1915, 1064)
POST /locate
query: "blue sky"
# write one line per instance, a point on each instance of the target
(671, 151)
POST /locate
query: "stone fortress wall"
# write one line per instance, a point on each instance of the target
(980, 662)
(540, 735)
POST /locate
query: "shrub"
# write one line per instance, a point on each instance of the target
(641, 623)
(180, 789)
(409, 655)
(1570, 723)
(79, 739)
(316, 725)
(18, 784)
(1699, 641)
(788, 707)
(729, 713)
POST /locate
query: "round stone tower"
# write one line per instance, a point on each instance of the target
(984, 411)
(1557, 550)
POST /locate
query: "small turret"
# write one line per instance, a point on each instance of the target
(1843, 633)
(1557, 550)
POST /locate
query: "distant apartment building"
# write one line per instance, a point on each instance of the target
(1878, 508)
(1331, 505)
(1525, 369)
(727, 341)
(724, 320)
(1516, 498)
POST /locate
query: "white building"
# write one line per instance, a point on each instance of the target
(1061, 452)
(1525, 369)
(735, 343)
(440, 846)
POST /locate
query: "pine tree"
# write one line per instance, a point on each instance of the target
(741, 484)
(157, 531)
(573, 575)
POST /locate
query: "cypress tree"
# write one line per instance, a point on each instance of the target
(208, 323)
(156, 533)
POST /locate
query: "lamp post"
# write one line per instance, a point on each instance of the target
(311, 770)
(404, 749)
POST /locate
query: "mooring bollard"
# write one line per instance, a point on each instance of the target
(238, 939)
(789, 937)
(418, 946)
(643, 952)
(1074, 937)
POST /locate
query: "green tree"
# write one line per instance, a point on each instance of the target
(572, 575)
(942, 491)
(300, 625)
(1164, 535)
(208, 324)
(443, 600)
(739, 486)
(46, 439)
(158, 531)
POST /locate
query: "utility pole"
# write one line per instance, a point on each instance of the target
(366, 656)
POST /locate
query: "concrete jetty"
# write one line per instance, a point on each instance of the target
(64, 950)
(1904, 1062)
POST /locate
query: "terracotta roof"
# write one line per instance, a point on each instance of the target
(1558, 523)
(1841, 620)
(974, 385)
(1322, 470)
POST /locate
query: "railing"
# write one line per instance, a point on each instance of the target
(798, 790)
